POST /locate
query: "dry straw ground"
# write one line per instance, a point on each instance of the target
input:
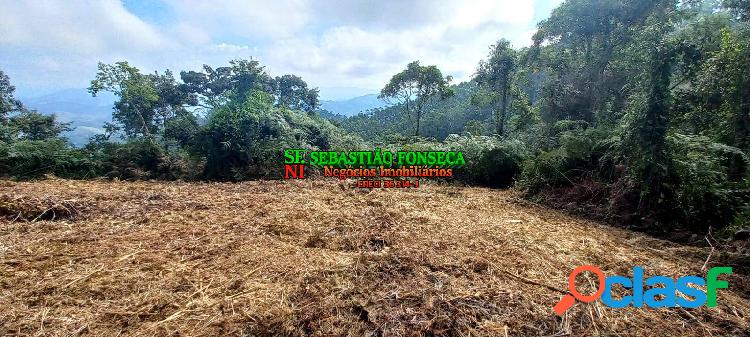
(315, 258)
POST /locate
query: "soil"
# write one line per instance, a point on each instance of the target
(317, 258)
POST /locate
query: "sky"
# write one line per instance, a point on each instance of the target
(345, 47)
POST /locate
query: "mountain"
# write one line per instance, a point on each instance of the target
(353, 106)
(85, 113)
(342, 93)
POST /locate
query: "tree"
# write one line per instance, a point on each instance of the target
(146, 102)
(415, 88)
(651, 164)
(173, 98)
(240, 140)
(32, 125)
(135, 110)
(495, 75)
(8, 103)
(223, 85)
(739, 7)
(292, 92)
(579, 48)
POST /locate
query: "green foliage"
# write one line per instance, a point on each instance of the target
(246, 141)
(31, 125)
(136, 109)
(573, 153)
(240, 140)
(707, 194)
(489, 160)
(495, 76)
(416, 88)
(30, 143)
(134, 159)
(474, 128)
(292, 92)
(146, 102)
(445, 117)
(29, 159)
(183, 130)
(8, 103)
(741, 8)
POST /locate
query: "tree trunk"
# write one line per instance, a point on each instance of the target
(737, 165)
(657, 177)
(503, 108)
(742, 131)
(420, 109)
(419, 116)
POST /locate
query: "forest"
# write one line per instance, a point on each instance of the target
(636, 112)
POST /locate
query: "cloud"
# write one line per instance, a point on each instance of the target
(254, 19)
(355, 43)
(79, 27)
(453, 35)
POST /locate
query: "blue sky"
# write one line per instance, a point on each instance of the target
(346, 48)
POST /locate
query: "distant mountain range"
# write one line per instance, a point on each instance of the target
(353, 106)
(87, 114)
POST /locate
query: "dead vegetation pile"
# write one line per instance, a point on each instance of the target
(311, 258)
(25, 208)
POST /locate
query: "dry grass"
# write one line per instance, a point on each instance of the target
(313, 258)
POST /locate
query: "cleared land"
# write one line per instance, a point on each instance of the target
(317, 258)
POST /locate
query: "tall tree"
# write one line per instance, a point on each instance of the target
(416, 88)
(223, 85)
(579, 42)
(135, 109)
(495, 75)
(740, 7)
(8, 103)
(146, 101)
(651, 163)
(292, 92)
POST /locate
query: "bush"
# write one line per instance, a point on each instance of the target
(140, 158)
(578, 153)
(705, 193)
(240, 142)
(489, 160)
(30, 159)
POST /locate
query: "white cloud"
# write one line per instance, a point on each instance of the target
(80, 27)
(257, 19)
(455, 38)
(356, 43)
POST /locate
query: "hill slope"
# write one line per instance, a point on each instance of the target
(353, 106)
(276, 258)
(86, 114)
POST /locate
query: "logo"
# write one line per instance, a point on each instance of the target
(374, 169)
(655, 291)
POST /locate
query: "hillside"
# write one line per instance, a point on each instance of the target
(353, 106)
(76, 106)
(317, 258)
(443, 117)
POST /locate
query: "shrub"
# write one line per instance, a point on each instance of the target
(30, 159)
(489, 160)
(139, 158)
(705, 193)
(578, 153)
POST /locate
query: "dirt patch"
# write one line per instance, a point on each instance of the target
(310, 258)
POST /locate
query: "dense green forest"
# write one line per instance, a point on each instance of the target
(637, 111)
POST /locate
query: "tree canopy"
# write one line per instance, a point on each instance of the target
(416, 87)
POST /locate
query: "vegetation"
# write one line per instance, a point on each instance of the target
(645, 102)
(415, 89)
